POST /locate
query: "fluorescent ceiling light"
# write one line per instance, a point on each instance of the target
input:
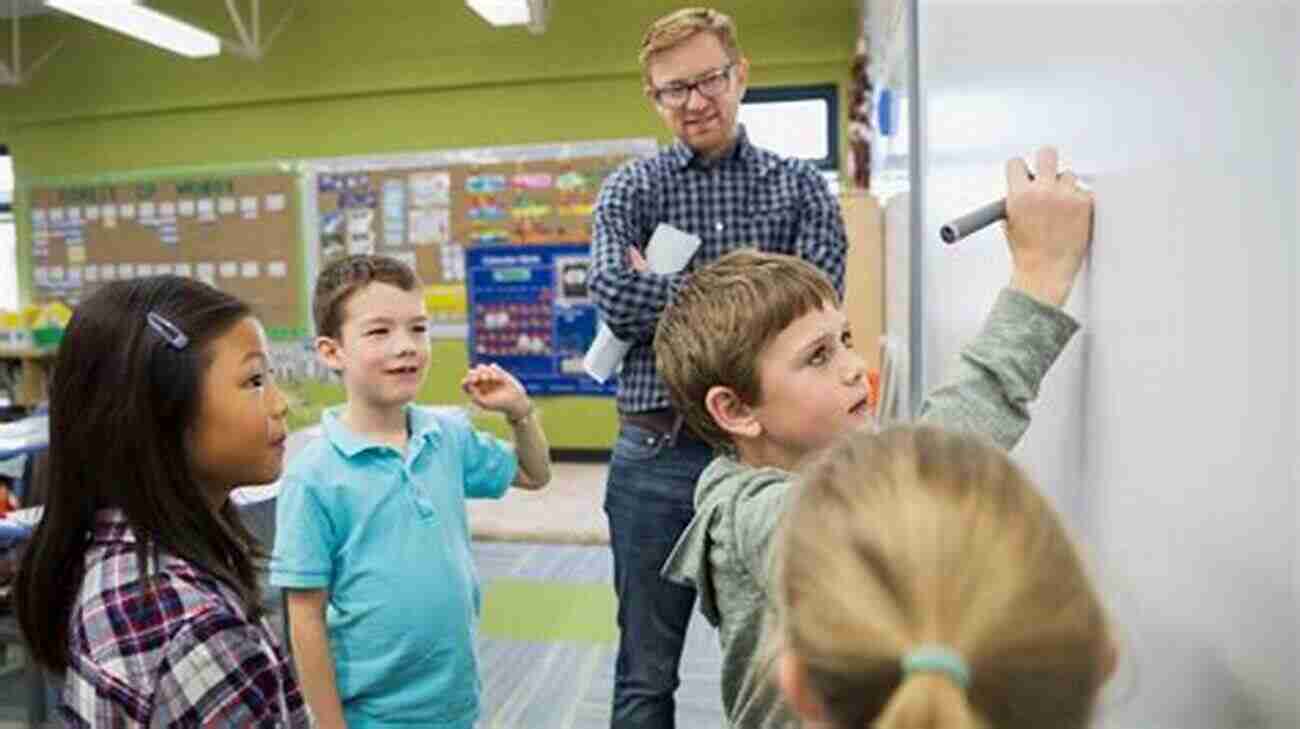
(142, 23)
(501, 12)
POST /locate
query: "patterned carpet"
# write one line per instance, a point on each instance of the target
(548, 638)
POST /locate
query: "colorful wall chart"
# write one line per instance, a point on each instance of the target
(429, 208)
(532, 314)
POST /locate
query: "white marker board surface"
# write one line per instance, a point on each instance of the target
(1167, 432)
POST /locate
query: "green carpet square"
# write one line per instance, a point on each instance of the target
(548, 612)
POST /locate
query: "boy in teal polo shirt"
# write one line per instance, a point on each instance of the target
(372, 543)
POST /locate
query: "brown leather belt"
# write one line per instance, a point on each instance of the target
(661, 422)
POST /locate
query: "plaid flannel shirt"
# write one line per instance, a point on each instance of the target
(186, 657)
(750, 198)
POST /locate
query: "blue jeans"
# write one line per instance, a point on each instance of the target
(649, 499)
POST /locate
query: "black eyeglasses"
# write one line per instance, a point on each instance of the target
(711, 85)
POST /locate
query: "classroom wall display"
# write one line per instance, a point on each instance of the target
(533, 316)
(235, 229)
(429, 208)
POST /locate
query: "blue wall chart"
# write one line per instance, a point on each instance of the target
(532, 314)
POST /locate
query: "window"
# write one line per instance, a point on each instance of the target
(795, 121)
(6, 180)
(8, 235)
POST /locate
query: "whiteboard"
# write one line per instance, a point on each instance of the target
(1166, 434)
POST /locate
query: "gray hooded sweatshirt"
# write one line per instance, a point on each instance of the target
(724, 551)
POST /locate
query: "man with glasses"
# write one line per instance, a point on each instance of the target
(711, 182)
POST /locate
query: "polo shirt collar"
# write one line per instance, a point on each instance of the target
(421, 425)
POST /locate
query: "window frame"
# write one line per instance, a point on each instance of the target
(827, 92)
(8, 207)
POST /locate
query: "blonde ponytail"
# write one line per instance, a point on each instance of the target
(932, 693)
(915, 539)
(927, 701)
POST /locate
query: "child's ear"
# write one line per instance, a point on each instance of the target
(798, 694)
(329, 352)
(731, 413)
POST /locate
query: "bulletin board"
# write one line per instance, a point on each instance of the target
(430, 208)
(235, 229)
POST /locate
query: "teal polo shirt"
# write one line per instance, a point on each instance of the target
(386, 535)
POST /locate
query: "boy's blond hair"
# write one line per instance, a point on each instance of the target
(920, 536)
(722, 318)
(345, 277)
(676, 28)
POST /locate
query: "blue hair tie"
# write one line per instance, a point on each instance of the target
(937, 659)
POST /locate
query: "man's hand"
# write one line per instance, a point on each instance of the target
(636, 259)
(1049, 228)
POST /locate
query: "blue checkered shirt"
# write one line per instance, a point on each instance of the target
(750, 198)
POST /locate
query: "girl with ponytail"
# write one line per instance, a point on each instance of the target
(924, 582)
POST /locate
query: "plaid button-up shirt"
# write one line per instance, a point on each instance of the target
(750, 198)
(188, 656)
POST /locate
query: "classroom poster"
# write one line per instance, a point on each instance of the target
(533, 315)
(433, 208)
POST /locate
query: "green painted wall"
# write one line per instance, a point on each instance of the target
(349, 77)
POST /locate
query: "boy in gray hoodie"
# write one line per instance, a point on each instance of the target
(758, 360)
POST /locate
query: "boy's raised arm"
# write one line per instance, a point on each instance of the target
(1049, 228)
(533, 450)
(492, 388)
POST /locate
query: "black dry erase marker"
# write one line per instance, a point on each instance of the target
(977, 219)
